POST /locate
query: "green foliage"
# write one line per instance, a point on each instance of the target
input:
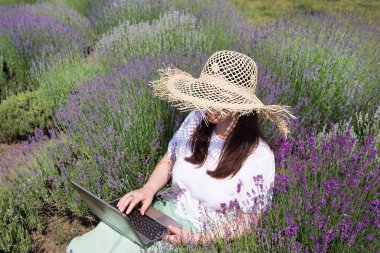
(67, 12)
(54, 33)
(57, 79)
(265, 11)
(14, 75)
(330, 77)
(83, 7)
(17, 1)
(173, 30)
(135, 11)
(112, 14)
(23, 114)
(15, 236)
(22, 208)
(360, 125)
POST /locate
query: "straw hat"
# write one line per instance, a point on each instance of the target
(227, 83)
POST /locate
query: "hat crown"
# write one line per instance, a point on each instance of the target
(237, 68)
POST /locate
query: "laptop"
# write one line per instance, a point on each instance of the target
(144, 230)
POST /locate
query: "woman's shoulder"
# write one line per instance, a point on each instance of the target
(196, 114)
(261, 161)
(188, 125)
(262, 151)
(193, 119)
(262, 155)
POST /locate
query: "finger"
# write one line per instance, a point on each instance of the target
(126, 196)
(177, 239)
(124, 203)
(166, 237)
(173, 239)
(144, 207)
(174, 230)
(132, 205)
(122, 199)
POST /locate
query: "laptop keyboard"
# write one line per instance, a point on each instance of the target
(144, 224)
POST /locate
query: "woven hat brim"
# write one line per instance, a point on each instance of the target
(215, 95)
(208, 93)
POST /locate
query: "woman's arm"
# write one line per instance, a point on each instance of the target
(157, 180)
(242, 224)
(160, 175)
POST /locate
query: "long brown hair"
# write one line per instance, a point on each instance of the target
(243, 139)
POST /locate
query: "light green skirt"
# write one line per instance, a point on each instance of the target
(104, 239)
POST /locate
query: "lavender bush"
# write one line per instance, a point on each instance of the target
(326, 195)
(18, 1)
(194, 25)
(108, 14)
(330, 60)
(57, 80)
(206, 38)
(83, 7)
(112, 132)
(366, 124)
(63, 14)
(29, 37)
(24, 113)
(112, 139)
(9, 219)
(21, 210)
(171, 31)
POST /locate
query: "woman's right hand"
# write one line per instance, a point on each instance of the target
(144, 194)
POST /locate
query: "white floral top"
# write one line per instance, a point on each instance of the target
(201, 198)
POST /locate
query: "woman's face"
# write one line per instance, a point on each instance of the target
(215, 117)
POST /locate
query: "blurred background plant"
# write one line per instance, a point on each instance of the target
(30, 35)
(264, 12)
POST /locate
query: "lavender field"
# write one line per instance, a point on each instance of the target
(75, 103)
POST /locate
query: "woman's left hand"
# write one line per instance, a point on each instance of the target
(182, 237)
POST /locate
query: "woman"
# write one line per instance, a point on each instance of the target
(217, 158)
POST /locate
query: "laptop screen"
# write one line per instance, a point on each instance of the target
(109, 216)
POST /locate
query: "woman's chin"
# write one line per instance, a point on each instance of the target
(213, 121)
